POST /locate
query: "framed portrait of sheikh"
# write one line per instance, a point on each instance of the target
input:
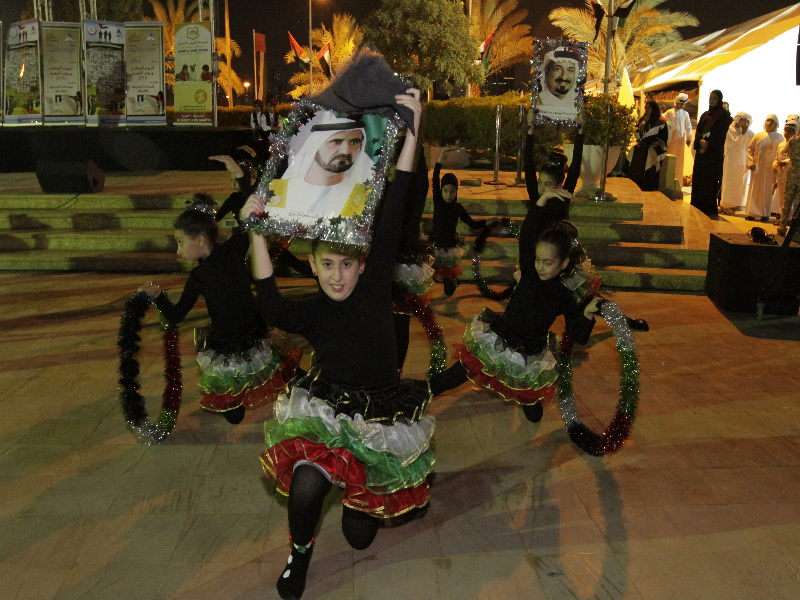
(327, 174)
(559, 76)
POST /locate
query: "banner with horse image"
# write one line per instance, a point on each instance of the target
(61, 74)
(559, 77)
(144, 66)
(23, 89)
(104, 44)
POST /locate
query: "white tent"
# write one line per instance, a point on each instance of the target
(753, 64)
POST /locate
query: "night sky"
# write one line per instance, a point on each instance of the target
(276, 17)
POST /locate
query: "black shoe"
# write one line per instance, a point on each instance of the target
(292, 582)
(533, 412)
(765, 219)
(638, 324)
(749, 218)
(235, 416)
(450, 286)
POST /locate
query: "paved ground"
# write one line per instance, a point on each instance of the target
(702, 503)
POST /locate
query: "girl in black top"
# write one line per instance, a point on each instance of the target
(446, 214)
(351, 421)
(240, 368)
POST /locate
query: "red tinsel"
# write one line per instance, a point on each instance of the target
(171, 398)
(420, 307)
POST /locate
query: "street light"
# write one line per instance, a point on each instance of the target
(247, 91)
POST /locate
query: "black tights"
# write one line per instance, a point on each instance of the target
(306, 496)
(448, 379)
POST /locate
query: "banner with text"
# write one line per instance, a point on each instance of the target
(144, 64)
(105, 72)
(23, 94)
(61, 73)
(193, 77)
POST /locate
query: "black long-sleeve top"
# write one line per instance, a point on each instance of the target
(447, 214)
(412, 216)
(533, 308)
(540, 218)
(353, 339)
(233, 204)
(223, 281)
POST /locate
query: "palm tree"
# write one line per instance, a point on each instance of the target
(345, 38)
(171, 12)
(511, 43)
(648, 35)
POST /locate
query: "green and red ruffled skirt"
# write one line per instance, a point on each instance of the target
(447, 262)
(250, 378)
(492, 364)
(375, 445)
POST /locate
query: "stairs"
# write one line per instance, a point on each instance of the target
(133, 233)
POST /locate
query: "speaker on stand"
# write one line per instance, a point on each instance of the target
(70, 177)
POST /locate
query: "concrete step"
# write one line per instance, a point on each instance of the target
(653, 278)
(660, 256)
(85, 220)
(52, 260)
(89, 241)
(96, 202)
(579, 209)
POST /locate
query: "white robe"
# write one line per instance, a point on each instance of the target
(761, 153)
(735, 171)
(782, 173)
(680, 134)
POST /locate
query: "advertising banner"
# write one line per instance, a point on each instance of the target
(105, 72)
(193, 78)
(144, 65)
(23, 95)
(61, 73)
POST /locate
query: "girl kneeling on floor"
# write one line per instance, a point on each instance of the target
(351, 421)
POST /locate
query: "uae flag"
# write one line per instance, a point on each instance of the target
(297, 52)
(486, 51)
(622, 12)
(324, 58)
(599, 13)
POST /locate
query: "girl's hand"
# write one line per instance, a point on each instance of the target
(411, 100)
(559, 193)
(592, 308)
(151, 289)
(580, 120)
(405, 161)
(254, 206)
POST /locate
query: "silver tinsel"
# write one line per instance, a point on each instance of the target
(542, 47)
(149, 433)
(618, 323)
(343, 230)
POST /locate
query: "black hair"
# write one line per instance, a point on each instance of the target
(198, 219)
(205, 67)
(450, 179)
(563, 236)
(555, 166)
(655, 111)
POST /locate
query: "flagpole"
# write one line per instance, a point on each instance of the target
(255, 69)
(310, 59)
(606, 83)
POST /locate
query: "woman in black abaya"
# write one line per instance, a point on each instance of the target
(709, 145)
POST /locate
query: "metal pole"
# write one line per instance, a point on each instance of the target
(520, 144)
(310, 59)
(601, 197)
(469, 15)
(497, 123)
(214, 119)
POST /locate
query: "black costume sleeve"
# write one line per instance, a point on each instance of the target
(575, 166)
(175, 313)
(531, 182)
(380, 262)
(437, 183)
(578, 326)
(464, 216)
(289, 315)
(418, 193)
(233, 204)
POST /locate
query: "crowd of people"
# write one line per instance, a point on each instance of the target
(735, 168)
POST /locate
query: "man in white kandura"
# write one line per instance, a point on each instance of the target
(735, 171)
(761, 154)
(561, 67)
(328, 173)
(680, 133)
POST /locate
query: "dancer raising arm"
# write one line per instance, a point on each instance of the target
(351, 421)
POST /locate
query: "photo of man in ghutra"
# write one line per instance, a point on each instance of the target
(557, 89)
(328, 174)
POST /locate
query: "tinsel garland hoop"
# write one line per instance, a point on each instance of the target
(133, 403)
(620, 427)
(477, 251)
(420, 306)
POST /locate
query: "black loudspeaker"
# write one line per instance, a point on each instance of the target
(738, 269)
(70, 177)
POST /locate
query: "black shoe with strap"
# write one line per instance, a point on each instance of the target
(292, 582)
